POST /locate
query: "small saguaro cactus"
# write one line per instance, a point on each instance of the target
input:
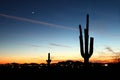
(85, 53)
(48, 60)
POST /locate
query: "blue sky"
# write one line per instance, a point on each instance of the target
(31, 39)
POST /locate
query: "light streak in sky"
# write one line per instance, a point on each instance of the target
(37, 22)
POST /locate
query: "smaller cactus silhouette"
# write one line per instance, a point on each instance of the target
(48, 60)
(84, 52)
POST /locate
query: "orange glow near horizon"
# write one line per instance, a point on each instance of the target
(39, 61)
(32, 58)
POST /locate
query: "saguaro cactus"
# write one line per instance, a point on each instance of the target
(84, 52)
(48, 60)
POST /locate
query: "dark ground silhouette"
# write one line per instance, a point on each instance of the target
(60, 71)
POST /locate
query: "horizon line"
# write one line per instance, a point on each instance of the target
(57, 61)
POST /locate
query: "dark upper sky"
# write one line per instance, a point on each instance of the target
(50, 25)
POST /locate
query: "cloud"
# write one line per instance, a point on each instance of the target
(32, 45)
(35, 45)
(59, 45)
(38, 22)
(114, 55)
(110, 49)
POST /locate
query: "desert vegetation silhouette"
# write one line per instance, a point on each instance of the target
(48, 60)
(85, 52)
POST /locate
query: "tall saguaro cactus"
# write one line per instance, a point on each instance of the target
(48, 60)
(85, 53)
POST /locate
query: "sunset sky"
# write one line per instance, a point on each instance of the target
(30, 29)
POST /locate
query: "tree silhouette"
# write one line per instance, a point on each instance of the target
(84, 52)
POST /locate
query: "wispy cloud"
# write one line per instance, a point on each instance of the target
(38, 22)
(116, 54)
(110, 49)
(32, 45)
(35, 45)
(59, 45)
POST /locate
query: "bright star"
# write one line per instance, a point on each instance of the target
(33, 12)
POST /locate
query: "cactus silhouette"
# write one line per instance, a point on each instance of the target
(48, 60)
(85, 53)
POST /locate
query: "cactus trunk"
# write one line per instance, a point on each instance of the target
(86, 60)
(48, 60)
(85, 53)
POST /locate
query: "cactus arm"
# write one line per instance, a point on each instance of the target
(91, 46)
(81, 42)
